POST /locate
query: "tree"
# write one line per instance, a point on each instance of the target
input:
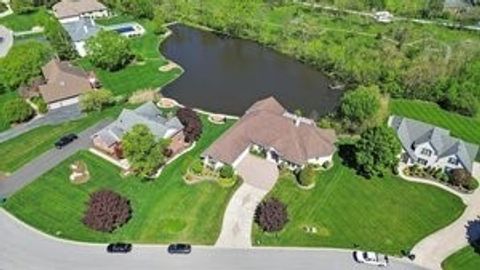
(96, 100)
(22, 6)
(17, 110)
(376, 151)
(159, 21)
(109, 50)
(142, 151)
(271, 215)
(461, 178)
(22, 63)
(361, 104)
(107, 211)
(60, 40)
(191, 122)
(461, 99)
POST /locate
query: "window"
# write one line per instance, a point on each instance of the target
(422, 161)
(452, 160)
(426, 152)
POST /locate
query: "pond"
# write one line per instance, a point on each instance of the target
(227, 75)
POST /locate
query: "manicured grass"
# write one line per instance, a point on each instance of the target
(24, 148)
(25, 22)
(385, 215)
(4, 98)
(136, 76)
(463, 127)
(464, 259)
(164, 210)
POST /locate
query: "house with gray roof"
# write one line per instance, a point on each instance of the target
(80, 31)
(109, 139)
(428, 145)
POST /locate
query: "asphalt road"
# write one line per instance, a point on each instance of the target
(22, 247)
(46, 162)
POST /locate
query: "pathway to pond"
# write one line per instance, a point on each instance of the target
(227, 75)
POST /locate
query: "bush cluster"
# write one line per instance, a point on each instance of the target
(18, 110)
(306, 177)
(227, 171)
(197, 167)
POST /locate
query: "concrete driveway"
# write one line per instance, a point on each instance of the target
(6, 40)
(259, 178)
(46, 162)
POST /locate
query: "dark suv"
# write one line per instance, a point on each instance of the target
(119, 248)
(63, 141)
(179, 249)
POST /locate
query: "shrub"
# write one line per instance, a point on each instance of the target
(472, 185)
(17, 110)
(326, 164)
(460, 177)
(41, 104)
(197, 167)
(226, 171)
(307, 176)
(96, 100)
(271, 215)
(192, 123)
(107, 211)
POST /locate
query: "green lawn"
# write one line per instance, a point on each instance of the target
(22, 149)
(464, 259)
(25, 22)
(463, 127)
(4, 98)
(164, 210)
(136, 76)
(385, 215)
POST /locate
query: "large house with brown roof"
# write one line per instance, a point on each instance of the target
(73, 10)
(284, 138)
(64, 83)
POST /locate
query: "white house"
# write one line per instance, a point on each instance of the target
(73, 10)
(428, 145)
(283, 138)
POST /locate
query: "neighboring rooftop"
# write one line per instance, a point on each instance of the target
(82, 29)
(72, 8)
(412, 132)
(149, 115)
(268, 124)
(63, 81)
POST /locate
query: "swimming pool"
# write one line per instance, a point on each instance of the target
(123, 30)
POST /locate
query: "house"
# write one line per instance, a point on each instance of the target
(80, 31)
(428, 145)
(73, 10)
(284, 138)
(64, 83)
(109, 139)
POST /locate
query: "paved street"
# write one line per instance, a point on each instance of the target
(46, 162)
(26, 249)
(53, 117)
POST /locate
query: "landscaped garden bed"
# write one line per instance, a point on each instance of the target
(164, 210)
(465, 184)
(344, 209)
(198, 172)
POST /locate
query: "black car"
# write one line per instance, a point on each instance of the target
(63, 141)
(119, 248)
(179, 249)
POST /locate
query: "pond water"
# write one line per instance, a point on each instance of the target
(227, 75)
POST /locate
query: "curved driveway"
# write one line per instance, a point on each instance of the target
(24, 248)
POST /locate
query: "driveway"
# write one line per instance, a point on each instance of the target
(259, 177)
(46, 162)
(53, 117)
(7, 40)
(25, 248)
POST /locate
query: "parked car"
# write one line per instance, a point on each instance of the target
(63, 141)
(119, 248)
(179, 249)
(369, 257)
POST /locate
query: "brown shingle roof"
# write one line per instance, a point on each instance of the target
(268, 124)
(63, 81)
(71, 8)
